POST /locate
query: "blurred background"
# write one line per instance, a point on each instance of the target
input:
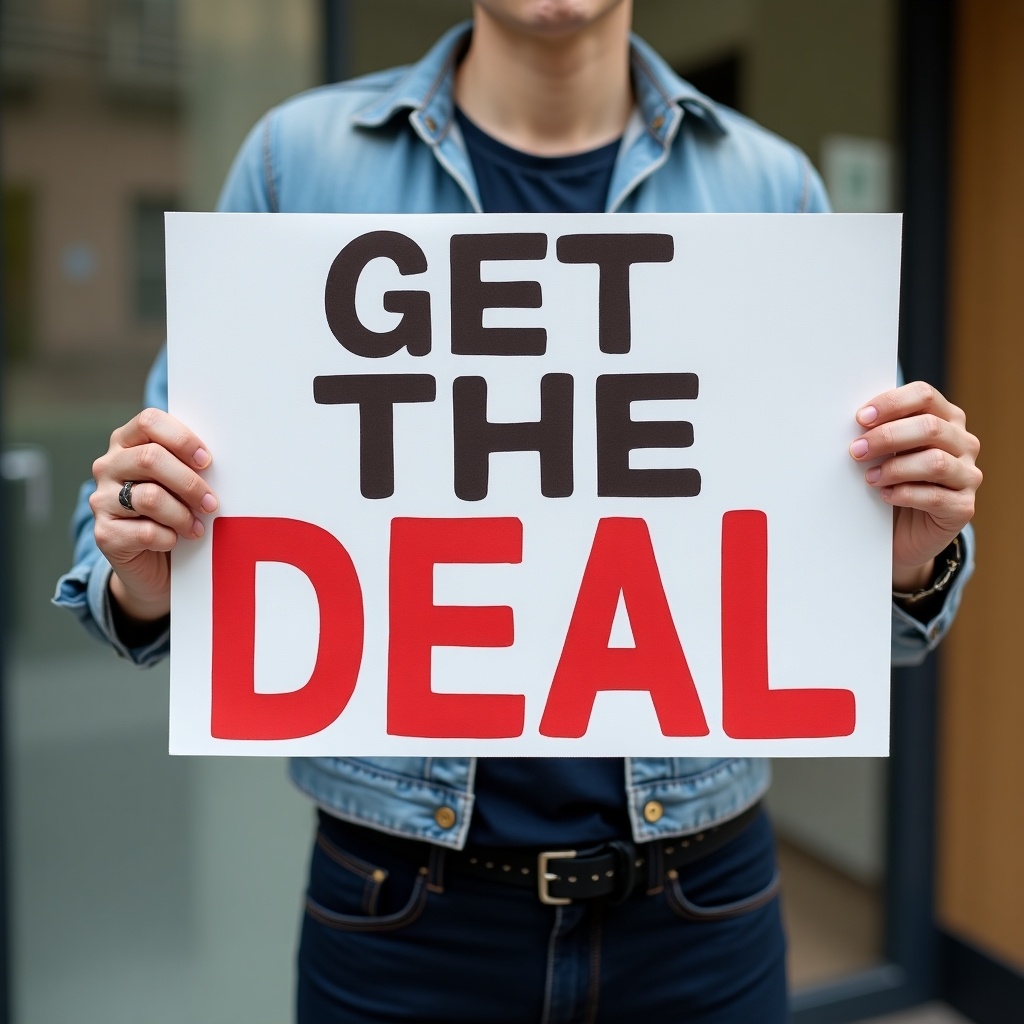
(125, 898)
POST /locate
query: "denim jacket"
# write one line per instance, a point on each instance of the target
(388, 143)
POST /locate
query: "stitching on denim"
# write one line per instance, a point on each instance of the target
(446, 130)
(372, 883)
(364, 869)
(268, 169)
(643, 175)
(669, 832)
(438, 79)
(641, 63)
(385, 825)
(371, 894)
(692, 912)
(436, 84)
(353, 765)
(348, 922)
(595, 964)
(550, 974)
(675, 783)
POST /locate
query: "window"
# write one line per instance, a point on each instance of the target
(150, 275)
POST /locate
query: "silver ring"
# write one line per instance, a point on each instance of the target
(125, 495)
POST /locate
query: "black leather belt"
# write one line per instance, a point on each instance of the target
(612, 870)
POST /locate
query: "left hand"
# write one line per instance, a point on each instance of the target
(928, 473)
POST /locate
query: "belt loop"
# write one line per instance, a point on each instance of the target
(435, 869)
(655, 868)
(625, 871)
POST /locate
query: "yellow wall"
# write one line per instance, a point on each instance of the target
(981, 838)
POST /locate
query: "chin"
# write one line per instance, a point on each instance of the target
(549, 16)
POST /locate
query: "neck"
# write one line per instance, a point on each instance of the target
(550, 95)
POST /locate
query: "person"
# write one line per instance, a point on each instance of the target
(514, 890)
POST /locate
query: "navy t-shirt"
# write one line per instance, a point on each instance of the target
(544, 801)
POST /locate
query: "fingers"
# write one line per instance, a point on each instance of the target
(911, 399)
(162, 458)
(161, 455)
(949, 509)
(163, 429)
(931, 481)
(151, 462)
(922, 452)
(933, 466)
(121, 540)
(921, 459)
(922, 437)
(149, 500)
(917, 431)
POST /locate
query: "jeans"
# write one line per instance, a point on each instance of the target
(389, 937)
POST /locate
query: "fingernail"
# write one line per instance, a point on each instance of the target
(201, 457)
(209, 503)
(867, 415)
(873, 474)
(886, 493)
(197, 527)
(859, 448)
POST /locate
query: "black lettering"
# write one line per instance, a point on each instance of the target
(413, 330)
(376, 394)
(476, 437)
(471, 296)
(614, 255)
(618, 435)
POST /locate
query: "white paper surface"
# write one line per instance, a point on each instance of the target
(790, 324)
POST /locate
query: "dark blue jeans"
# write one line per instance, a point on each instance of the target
(389, 938)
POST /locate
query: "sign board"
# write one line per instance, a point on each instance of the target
(537, 485)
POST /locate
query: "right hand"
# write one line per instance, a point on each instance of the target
(162, 456)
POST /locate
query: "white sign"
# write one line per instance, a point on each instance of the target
(538, 485)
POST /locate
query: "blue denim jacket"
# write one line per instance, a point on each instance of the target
(388, 143)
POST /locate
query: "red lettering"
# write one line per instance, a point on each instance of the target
(238, 712)
(750, 709)
(418, 625)
(622, 561)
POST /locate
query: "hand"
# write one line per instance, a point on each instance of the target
(161, 455)
(927, 473)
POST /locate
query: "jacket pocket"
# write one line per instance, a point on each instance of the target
(351, 894)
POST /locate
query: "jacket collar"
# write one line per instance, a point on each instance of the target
(426, 90)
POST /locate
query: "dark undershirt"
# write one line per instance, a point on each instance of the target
(544, 801)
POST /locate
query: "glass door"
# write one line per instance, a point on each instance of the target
(146, 887)
(142, 887)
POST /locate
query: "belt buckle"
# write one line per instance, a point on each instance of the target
(544, 877)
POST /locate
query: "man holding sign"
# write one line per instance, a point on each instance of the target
(451, 888)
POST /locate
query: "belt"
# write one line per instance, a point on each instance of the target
(614, 869)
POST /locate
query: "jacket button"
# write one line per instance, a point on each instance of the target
(657, 122)
(445, 817)
(430, 123)
(653, 811)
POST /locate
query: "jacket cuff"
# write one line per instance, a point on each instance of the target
(85, 592)
(913, 639)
